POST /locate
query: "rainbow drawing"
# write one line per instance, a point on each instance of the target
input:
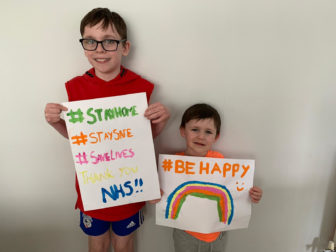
(201, 189)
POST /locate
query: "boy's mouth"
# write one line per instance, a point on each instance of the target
(199, 144)
(102, 60)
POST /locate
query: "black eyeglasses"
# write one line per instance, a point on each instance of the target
(107, 44)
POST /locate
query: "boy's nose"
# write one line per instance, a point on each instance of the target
(201, 135)
(100, 48)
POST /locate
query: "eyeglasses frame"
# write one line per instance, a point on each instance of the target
(101, 42)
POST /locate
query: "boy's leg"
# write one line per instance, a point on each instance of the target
(123, 243)
(184, 242)
(123, 232)
(219, 244)
(98, 232)
(100, 243)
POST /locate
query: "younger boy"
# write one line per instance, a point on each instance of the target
(104, 40)
(200, 127)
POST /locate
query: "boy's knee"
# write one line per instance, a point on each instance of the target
(123, 243)
(124, 247)
(99, 248)
(99, 243)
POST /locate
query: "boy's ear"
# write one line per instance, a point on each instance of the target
(217, 137)
(182, 131)
(126, 48)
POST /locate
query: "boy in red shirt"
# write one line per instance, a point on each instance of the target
(104, 40)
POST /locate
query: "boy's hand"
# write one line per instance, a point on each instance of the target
(255, 194)
(156, 200)
(52, 112)
(158, 115)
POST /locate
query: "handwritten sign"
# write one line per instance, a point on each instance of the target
(113, 150)
(204, 194)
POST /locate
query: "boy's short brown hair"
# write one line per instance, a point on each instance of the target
(108, 18)
(201, 111)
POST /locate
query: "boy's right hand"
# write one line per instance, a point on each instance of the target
(52, 112)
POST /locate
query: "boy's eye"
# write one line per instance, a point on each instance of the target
(194, 129)
(110, 42)
(208, 132)
(90, 41)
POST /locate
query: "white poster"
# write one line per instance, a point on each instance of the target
(113, 152)
(204, 194)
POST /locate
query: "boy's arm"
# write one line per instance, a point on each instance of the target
(158, 115)
(52, 113)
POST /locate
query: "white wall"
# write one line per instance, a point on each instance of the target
(267, 65)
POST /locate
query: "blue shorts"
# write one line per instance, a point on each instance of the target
(94, 227)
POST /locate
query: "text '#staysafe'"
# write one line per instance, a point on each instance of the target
(128, 188)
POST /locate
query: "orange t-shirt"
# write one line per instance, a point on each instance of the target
(211, 236)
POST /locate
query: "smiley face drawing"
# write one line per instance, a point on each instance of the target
(239, 189)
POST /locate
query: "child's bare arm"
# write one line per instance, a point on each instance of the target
(52, 113)
(159, 115)
(255, 194)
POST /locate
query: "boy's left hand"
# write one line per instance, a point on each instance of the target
(255, 194)
(158, 115)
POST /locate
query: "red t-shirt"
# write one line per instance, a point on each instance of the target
(89, 86)
(211, 236)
